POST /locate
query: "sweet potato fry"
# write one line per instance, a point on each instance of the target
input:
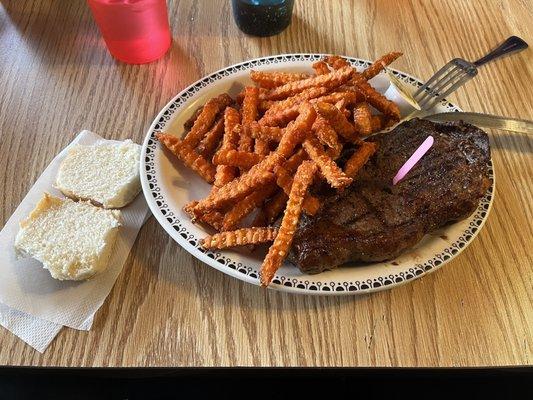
(295, 160)
(380, 122)
(349, 96)
(230, 140)
(240, 237)
(330, 81)
(205, 119)
(261, 147)
(334, 152)
(279, 249)
(378, 65)
(189, 209)
(321, 68)
(240, 96)
(307, 94)
(264, 105)
(266, 133)
(337, 120)
(296, 130)
(284, 180)
(235, 158)
(260, 174)
(291, 102)
(223, 175)
(244, 207)
(370, 95)
(187, 125)
(336, 62)
(235, 190)
(263, 135)
(376, 123)
(249, 104)
(359, 158)
(246, 142)
(232, 119)
(326, 134)
(210, 142)
(225, 100)
(341, 106)
(281, 118)
(362, 117)
(271, 80)
(275, 206)
(286, 110)
(188, 156)
(331, 171)
(376, 99)
(212, 218)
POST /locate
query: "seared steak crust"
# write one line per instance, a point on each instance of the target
(373, 220)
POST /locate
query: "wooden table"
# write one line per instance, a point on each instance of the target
(167, 308)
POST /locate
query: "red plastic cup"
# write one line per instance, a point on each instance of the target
(135, 31)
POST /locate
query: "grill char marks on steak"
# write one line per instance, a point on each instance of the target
(372, 220)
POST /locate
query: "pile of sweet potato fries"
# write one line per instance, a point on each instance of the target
(263, 150)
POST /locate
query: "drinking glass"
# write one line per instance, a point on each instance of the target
(135, 31)
(262, 17)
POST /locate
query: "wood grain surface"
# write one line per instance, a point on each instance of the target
(167, 308)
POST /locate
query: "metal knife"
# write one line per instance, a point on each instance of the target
(485, 121)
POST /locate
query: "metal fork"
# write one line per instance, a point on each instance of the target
(458, 71)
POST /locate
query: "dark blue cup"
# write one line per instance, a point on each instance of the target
(262, 17)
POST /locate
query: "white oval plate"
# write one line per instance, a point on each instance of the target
(168, 186)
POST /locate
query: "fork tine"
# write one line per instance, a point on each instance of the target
(442, 85)
(452, 77)
(465, 78)
(434, 90)
(433, 78)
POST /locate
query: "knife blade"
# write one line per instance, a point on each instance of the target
(485, 121)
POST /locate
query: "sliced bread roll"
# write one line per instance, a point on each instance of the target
(72, 239)
(106, 174)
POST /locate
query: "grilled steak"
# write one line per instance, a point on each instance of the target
(372, 220)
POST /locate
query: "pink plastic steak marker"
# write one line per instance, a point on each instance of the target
(409, 164)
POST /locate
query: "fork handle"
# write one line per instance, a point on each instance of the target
(511, 45)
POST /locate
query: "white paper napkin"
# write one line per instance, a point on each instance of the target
(37, 332)
(35, 305)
